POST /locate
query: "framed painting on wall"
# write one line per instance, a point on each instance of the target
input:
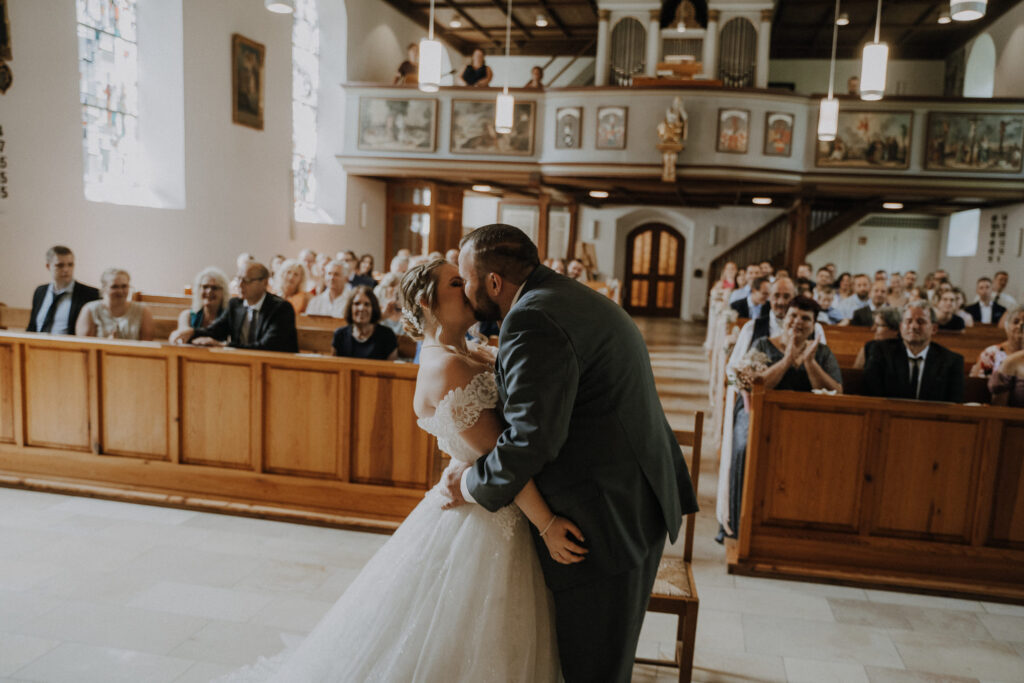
(733, 130)
(981, 142)
(473, 131)
(568, 123)
(247, 64)
(611, 127)
(401, 125)
(868, 139)
(778, 134)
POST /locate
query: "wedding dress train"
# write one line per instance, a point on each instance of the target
(454, 595)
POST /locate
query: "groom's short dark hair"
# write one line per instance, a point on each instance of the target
(503, 249)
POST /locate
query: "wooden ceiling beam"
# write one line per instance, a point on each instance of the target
(555, 18)
(470, 20)
(518, 24)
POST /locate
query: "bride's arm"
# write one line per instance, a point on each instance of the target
(553, 529)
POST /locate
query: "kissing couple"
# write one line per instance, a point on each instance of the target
(558, 441)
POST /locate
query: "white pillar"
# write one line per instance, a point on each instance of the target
(601, 64)
(653, 42)
(764, 41)
(710, 56)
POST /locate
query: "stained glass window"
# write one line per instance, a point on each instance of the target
(305, 99)
(109, 95)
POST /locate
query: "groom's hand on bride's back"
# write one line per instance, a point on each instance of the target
(451, 480)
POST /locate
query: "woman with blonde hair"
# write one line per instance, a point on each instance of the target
(209, 300)
(454, 594)
(292, 284)
(114, 316)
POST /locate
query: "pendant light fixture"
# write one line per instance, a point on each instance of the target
(873, 64)
(967, 10)
(280, 6)
(504, 110)
(430, 59)
(828, 110)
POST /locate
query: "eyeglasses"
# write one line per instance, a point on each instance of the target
(214, 288)
(248, 280)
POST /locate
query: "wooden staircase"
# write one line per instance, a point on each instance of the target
(786, 240)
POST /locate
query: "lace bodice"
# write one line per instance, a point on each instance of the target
(458, 411)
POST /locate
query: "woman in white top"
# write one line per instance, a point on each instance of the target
(114, 316)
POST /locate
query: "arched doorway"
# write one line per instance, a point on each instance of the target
(654, 271)
(979, 77)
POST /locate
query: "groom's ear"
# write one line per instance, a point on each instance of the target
(493, 284)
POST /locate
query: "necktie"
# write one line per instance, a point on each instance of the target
(52, 312)
(249, 326)
(915, 375)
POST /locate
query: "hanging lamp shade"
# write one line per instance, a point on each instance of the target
(504, 113)
(872, 71)
(828, 119)
(430, 65)
(967, 10)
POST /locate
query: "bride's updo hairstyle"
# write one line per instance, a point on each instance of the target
(418, 284)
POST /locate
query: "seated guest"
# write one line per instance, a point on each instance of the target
(1008, 380)
(209, 300)
(355, 279)
(742, 289)
(985, 310)
(844, 289)
(916, 294)
(805, 287)
(257, 320)
(897, 296)
(576, 270)
(332, 300)
(292, 283)
(754, 305)
(992, 357)
(275, 269)
(728, 279)
(803, 271)
(913, 366)
(885, 327)
(400, 264)
(241, 263)
(909, 279)
(945, 313)
(791, 360)
(387, 297)
(114, 316)
(409, 70)
(364, 337)
(768, 270)
(536, 78)
(558, 265)
(823, 278)
(961, 302)
(366, 266)
(56, 305)
(865, 315)
(314, 278)
(477, 73)
(1001, 296)
(829, 314)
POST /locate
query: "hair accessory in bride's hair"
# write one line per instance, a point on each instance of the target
(412, 321)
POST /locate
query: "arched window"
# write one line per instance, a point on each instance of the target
(737, 56)
(629, 43)
(979, 76)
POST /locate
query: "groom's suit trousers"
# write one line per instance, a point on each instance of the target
(599, 623)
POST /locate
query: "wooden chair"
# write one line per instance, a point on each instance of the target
(674, 590)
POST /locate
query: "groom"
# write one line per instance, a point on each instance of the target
(584, 421)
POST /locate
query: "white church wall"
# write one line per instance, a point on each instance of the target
(864, 249)
(965, 270)
(237, 179)
(904, 76)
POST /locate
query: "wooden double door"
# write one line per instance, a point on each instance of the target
(654, 271)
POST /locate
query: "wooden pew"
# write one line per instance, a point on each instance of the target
(847, 341)
(877, 492)
(14, 318)
(327, 440)
(975, 388)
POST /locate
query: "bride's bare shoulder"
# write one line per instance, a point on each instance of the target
(439, 373)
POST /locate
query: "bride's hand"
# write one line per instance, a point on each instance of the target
(562, 548)
(452, 480)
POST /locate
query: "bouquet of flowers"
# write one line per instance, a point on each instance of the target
(753, 364)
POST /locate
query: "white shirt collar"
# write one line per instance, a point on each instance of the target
(57, 292)
(258, 305)
(519, 293)
(922, 355)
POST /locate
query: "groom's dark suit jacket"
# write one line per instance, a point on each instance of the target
(584, 421)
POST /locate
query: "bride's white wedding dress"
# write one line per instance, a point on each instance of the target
(454, 595)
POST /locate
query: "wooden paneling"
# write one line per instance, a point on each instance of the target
(57, 401)
(301, 412)
(936, 461)
(215, 413)
(388, 443)
(1008, 502)
(6, 393)
(134, 406)
(814, 470)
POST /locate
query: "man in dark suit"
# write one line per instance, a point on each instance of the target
(258, 320)
(753, 306)
(913, 366)
(985, 310)
(585, 423)
(55, 306)
(865, 316)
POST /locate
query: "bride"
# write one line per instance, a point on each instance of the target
(455, 594)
